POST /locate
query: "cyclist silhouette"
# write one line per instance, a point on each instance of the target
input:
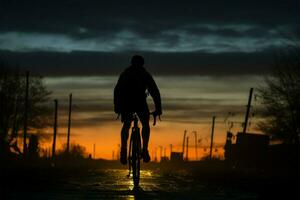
(130, 93)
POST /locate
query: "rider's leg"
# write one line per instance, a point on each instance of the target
(124, 137)
(145, 131)
(144, 118)
(125, 133)
(145, 134)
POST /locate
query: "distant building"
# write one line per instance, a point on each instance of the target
(164, 159)
(228, 146)
(249, 150)
(176, 156)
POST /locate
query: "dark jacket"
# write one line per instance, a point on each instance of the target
(131, 90)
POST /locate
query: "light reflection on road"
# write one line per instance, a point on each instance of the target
(114, 184)
(153, 185)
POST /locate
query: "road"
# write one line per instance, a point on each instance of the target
(114, 184)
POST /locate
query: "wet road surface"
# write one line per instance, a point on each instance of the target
(114, 184)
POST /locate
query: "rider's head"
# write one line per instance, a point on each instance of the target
(137, 60)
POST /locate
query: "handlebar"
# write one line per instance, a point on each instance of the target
(154, 117)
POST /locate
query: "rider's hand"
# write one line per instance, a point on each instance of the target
(155, 114)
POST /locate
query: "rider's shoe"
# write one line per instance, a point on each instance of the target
(146, 156)
(123, 156)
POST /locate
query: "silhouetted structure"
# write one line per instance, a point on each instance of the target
(228, 146)
(196, 146)
(94, 151)
(54, 128)
(176, 156)
(25, 115)
(183, 143)
(165, 157)
(248, 110)
(179, 156)
(33, 147)
(160, 152)
(69, 123)
(250, 150)
(187, 149)
(22, 108)
(212, 136)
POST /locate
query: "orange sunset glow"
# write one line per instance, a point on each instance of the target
(188, 104)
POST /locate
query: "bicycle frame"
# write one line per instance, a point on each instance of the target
(134, 155)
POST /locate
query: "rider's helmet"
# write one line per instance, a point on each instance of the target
(137, 60)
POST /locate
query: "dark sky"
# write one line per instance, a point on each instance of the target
(233, 39)
(77, 37)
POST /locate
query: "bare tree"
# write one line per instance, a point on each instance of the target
(12, 95)
(281, 97)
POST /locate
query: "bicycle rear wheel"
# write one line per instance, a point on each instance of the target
(136, 154)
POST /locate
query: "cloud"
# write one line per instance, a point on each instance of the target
(63, 16)
(101, 63)
(204, 38)
(192, 99)
(191, 37)
(208, 26)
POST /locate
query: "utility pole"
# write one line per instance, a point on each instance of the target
(155, 158)
(25, 115)
(171, 149)
(69, 123)
(212, 136)
(187, 149)
(94, 151)
(248, 111)
(196, 146)
(183, 145)
(118, 154)
(160, 152)
(54, 128)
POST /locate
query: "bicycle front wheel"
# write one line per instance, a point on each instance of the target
(136, 153)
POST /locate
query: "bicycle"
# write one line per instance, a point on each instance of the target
(135, 152)
(134, 155)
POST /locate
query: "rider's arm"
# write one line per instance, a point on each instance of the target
(117, 96)
(154, 92)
